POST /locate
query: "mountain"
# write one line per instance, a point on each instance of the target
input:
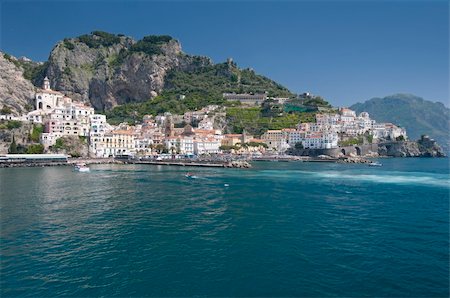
(16, 92)
(108, 70)
(416, 115)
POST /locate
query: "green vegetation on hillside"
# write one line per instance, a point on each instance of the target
(35, 135)
(5, 110)
(68, 44)
(352, 141)
(150, 45)
(187, 91)
(224, 77)
(35, 149)
(13, 146)
(254, 122)
(97, 39)
(166, 102)
(316, 101)
(10, 124)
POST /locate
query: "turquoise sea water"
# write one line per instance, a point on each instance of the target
(279, 229)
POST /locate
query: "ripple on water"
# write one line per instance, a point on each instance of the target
(279, 229)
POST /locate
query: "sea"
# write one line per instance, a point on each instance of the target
(277, 229)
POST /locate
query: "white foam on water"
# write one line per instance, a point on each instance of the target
(390, 178)
(404, 178)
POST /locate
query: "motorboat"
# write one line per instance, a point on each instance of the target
(190, 176)
(375, 164)
(81, 167)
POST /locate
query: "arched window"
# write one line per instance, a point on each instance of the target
(40, 105)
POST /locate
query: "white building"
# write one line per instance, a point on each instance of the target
(206, 145)
(277, 140)
(47, 99)
(320, 140)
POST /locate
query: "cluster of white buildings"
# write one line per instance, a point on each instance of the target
(329, 129)
(61, 116)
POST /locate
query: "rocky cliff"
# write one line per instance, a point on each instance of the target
(110, 70)
(424, 147)
(16, 92)
(21, 135)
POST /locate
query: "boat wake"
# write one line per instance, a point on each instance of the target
(389, 179)
(402, 178)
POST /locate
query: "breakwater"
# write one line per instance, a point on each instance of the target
(184, 163)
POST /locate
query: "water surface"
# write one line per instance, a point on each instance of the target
(279, 229)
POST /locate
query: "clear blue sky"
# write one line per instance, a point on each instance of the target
(345, 51)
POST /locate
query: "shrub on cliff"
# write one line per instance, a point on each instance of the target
(99, 38)
(5, 110)
(13, 147)
(35, 135)
(151, 45)
(13, 124)
(35, 149)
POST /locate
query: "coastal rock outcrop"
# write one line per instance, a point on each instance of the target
(429, 147)
(424, 147)
(399, 149)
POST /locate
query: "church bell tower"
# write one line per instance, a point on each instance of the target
(46, 85)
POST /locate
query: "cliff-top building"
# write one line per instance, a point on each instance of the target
(248, 99)
(47, 99)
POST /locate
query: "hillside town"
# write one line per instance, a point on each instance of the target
(199, 135)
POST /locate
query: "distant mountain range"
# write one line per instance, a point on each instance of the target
(417, 115)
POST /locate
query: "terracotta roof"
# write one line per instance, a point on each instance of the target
(123, 132)
(256, 140)
(50, 91)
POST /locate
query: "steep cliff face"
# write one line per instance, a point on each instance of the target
(16, 92)
(110, 70)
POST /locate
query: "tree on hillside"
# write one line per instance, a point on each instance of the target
(13, 147)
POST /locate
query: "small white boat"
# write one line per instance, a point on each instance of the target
(375, 164)
(81, 167)
(190, 176)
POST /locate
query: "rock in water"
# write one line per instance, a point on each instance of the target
(429, 148)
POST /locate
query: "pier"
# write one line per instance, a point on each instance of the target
(184, 163)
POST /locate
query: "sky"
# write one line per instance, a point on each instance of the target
(344, 51)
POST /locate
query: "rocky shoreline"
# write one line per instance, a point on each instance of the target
(424, 147)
